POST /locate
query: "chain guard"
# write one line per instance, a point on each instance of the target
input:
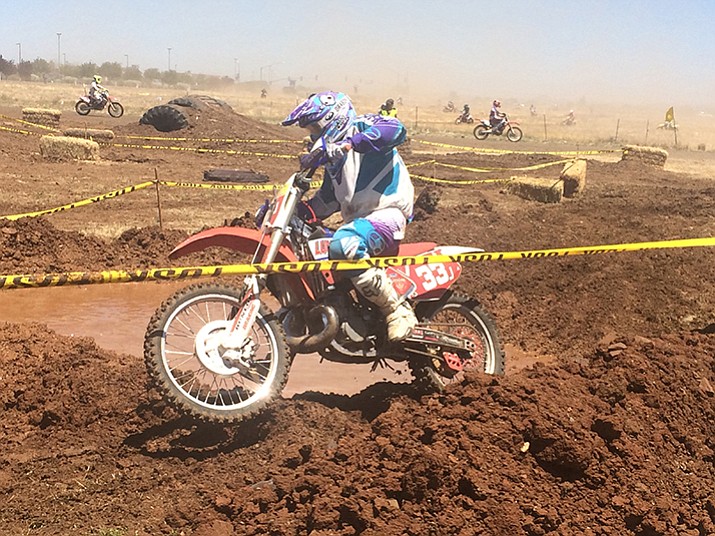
(446, 352)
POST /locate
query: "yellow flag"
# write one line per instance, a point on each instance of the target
(669, 115)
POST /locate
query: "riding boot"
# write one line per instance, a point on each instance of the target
(375, 286)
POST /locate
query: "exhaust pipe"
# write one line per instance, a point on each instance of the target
(295, 329)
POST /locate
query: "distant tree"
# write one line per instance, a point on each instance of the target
(132, 73)
(186, 78)
(24, 69)
(87, 70)
(152, 74)
(111, 70)
(170, 78)
(7, 67)
(40, 66)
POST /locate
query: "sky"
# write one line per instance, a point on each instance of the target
(638, 51)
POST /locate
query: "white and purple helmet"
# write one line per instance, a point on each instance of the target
(332, 112)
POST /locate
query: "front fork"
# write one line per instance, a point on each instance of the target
(235, 337)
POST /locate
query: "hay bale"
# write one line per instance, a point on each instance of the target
(650, 156)
(68, 148)
(89, 134)
(41, 116)
(574, 178)
(537, 189)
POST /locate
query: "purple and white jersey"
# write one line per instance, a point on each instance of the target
(369, 178)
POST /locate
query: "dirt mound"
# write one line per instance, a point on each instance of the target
(621, 444)
(34, 245)
(209, 118)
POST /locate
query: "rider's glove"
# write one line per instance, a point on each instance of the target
(334, 152)
(312, 159)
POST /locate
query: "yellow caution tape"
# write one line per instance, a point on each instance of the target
(20, 131)
(209, 186)
(89, 201)
(45, 127)
(490, 170)
(224, 140)
(197, 150)
(129, 189)
(462, 182)
(195, 272)
(505, 151)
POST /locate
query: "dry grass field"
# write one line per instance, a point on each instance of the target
(596, 124)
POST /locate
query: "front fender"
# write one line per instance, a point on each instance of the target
(233, 238)
(247, 241)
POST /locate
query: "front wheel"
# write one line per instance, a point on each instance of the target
(514, 134)
(187, 361)
(115, 109)
(82, 108)
(481, 132)
(462, 316)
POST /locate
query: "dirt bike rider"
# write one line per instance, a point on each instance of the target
(388, 109)
(570, 119)
(497, 119)
(367, 181)
(466, 111)
(97, 92)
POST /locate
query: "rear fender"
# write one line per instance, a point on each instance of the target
(423, 282)
(245, 241)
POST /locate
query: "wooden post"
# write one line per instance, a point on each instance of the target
(618, 124)
(546, 137)
(675, 133)
(647, 124)
(158, 198)
(417, 113)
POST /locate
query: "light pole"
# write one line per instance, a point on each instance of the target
(19, 53)
(59, 34)
(127, 58)
(169, 63)
(270, 69)
(235, 69)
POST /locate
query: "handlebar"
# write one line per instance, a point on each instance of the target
(309, 165)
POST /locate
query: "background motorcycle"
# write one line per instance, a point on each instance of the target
(85, 105)
(222, 352)
(510, 129)
(464, 118)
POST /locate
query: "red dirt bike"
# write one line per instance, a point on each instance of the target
(511, 129)
(86, 104)
(221, 352)
(464, 118)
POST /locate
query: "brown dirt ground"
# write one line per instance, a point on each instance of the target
(611, 433)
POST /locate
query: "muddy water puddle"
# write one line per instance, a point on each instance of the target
(116, 317)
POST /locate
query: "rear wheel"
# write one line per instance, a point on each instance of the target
(481, 132)
(187, 361)
(464, 317)
(115, 109)
(514, 134)
(82, 108)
